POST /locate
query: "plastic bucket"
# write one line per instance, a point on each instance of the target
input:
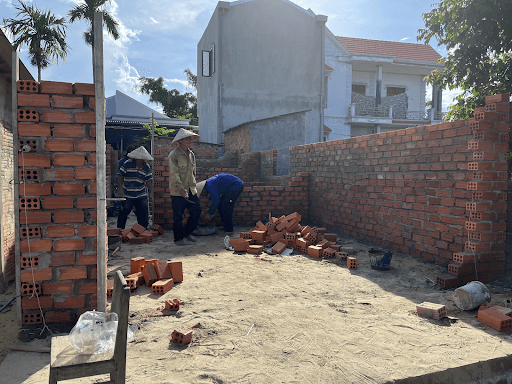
(471, 296)
(380, 260)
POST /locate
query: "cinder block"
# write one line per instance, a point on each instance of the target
(432, 310)
(351, 262)
(176, 268)
(162, 286)
(149, 273)
(497, 318)
(181, 337)
(172, 305)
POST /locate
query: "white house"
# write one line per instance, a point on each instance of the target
(360, 69)
(258, 59)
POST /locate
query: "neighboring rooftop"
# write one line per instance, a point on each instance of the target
(402, 51)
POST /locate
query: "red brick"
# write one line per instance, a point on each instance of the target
(67, 102)
(68, 131)
(181, 337)
(62, 259)
(73, 273)
(32, 318)
(35, 189)
(351, 262)
(92, 159)
(56, 87)
(158, 228)
(86, 146)
(162, 270)
(57, 316)
(29, 160)
(136, 264)
(60, 231)
(69, 160)
(88, 288)
(30, 232)
(30, 246)
(176, 268)
(69, 245)
(94, 273)
(36, 275)
(59, 174)
(149, 273)
(496, 318)
(92, 105)
(87, 231)
(68, 217)
(255, 249)
(33, 100)
(70, 302)
(28, 86)
(34, 130)
(314, 251)
(147, 236)
(29, 115)
(432, 310)
(162, 286)
(84, 89)
(93, 130)
(172, 305)
(92, 187)
(50, 288)
(85, 117)
(86, 202)
(55, 145)
(85, 173)
(58, 117)
(36, 302)
(57, 202)
(137, 229)
(68, 189)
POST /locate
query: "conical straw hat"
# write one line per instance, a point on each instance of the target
(200, 186)
(140, 153)
(182, 133)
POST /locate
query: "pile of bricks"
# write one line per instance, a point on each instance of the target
(160, 275)
(287, 232)
(136, 234)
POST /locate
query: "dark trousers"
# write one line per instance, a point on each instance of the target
(227, 202)
(141, 211)
(179, 204)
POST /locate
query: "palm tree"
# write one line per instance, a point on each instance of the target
(86, 11)
(42, 32)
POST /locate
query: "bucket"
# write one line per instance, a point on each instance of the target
(380, 260)
(471, 296)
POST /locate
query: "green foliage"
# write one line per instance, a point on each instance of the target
(42, 32)
(174, 103)
(478, 37)
(85, 11)
(159, 131)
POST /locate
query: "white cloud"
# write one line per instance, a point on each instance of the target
(126, 74)
(184, 83)
(405, 38)
(154, 21)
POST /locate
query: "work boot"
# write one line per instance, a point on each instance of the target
(180, 242)
(191, 238)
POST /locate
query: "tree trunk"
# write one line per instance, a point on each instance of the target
(39, 74)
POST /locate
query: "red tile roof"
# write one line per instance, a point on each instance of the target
(404, 51)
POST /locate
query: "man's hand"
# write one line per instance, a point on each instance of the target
(183, 193)
(120, 191)
(205, 216)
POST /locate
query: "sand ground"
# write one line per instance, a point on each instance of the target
(282, 319)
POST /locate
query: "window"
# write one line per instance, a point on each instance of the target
(209, 62)
(393, 91)
(359, 88)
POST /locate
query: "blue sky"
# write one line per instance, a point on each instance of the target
(159, 37)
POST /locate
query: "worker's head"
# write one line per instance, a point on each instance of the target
(184, 138)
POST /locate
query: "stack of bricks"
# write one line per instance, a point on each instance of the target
(160, 275)
(137, 234)
(487, 189)
(57, 199)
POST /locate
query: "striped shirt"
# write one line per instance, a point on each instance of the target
(134, 179)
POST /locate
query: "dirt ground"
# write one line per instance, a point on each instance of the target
(284, 319)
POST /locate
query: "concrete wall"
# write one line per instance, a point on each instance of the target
(269, 58)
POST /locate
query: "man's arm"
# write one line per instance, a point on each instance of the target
(119, 186)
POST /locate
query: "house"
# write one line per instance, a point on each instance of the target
(7, 226)
(378, 86)
(258, 59)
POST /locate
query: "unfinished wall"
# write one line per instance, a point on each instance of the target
(57, 197)
(416, 189)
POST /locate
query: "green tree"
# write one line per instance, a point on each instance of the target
(85, 11)
(159, 131)
(174, 103)
(42, 32)
(192, 81)
(478, 36)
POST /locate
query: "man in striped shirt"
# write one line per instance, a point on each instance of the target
(135, 178)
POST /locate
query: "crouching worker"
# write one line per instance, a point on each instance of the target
(224, 190)
(133, 183)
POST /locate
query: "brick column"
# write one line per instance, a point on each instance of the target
(57, 173)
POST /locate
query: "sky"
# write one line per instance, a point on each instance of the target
(158, 38)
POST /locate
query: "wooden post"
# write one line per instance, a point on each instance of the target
(14, 108)
(152, 169)
(99, 90)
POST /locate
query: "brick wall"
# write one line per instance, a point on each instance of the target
(57, 172)
(7, 185)
(238, 139)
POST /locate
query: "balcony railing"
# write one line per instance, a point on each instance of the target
(387, 112)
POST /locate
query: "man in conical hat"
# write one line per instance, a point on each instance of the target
(133, 183)
(182, 185)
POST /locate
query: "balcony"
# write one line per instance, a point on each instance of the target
(384, 115)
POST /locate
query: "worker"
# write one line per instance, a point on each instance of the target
(182, 185)
(133, 183)
(223, 190)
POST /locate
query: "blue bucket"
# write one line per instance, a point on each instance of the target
(380, 260)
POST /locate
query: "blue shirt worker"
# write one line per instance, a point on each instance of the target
(224, 190)
(134, 176)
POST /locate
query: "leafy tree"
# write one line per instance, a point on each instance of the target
(478, 36)
(42, 32)
(159, 131)
(85, 11)
(174, 103)
(192, 81)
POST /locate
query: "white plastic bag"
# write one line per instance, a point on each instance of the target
(95, 332)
